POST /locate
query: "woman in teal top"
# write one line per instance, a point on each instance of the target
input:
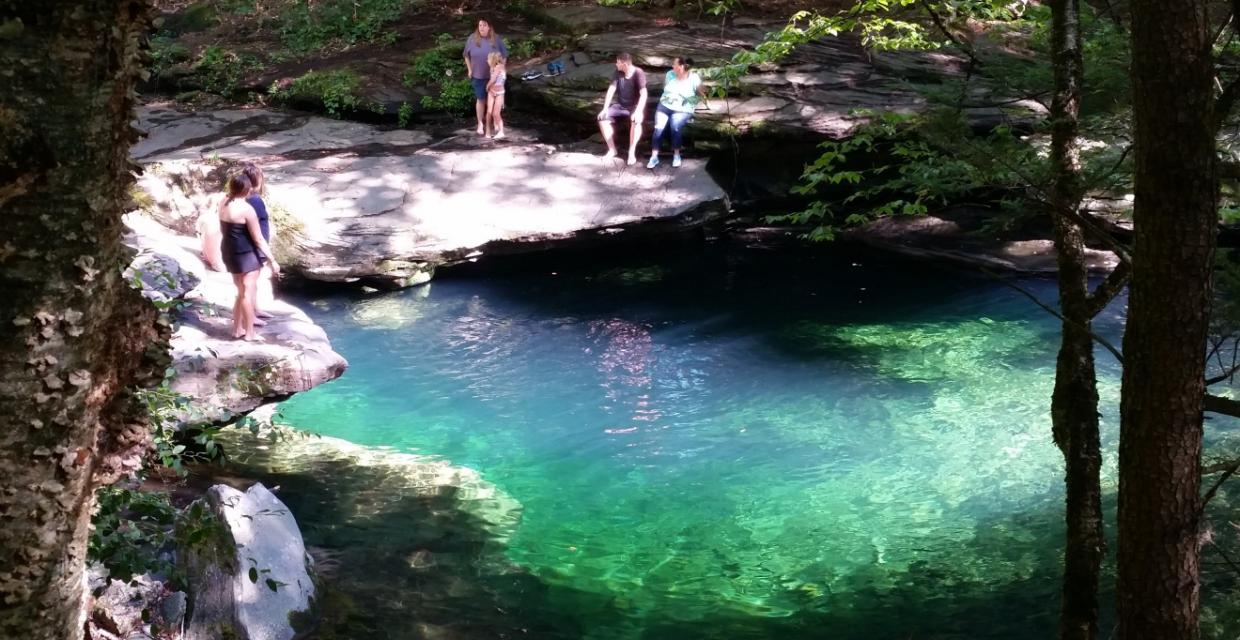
(682, 89)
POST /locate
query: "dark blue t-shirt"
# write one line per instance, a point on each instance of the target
(260, 208)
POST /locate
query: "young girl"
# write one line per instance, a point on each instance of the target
(495, 94)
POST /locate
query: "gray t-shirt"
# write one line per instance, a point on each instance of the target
(478, 52)
(628, 90)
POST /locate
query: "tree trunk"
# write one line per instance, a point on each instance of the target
(1168, 309)
(73, 335)
(1074, 405)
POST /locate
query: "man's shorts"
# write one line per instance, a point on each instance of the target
(616, 112)
(480, 87)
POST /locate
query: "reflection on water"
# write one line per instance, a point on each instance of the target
(726, 445)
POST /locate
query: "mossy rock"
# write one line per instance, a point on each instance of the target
(197, 17)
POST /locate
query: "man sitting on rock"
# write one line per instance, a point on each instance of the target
(628, 88)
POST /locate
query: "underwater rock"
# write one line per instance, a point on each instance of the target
(380, 522)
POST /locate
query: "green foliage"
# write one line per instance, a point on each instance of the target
(130, 529)
(307, 25)
(166, 52)
(899, 165)
(238, 7)
(337, 90)
(175, 441)
(404, 114)
(222, 70)
(134, 532)
(443, 70)
(1105, 53)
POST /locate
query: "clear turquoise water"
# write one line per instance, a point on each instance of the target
(724, 444)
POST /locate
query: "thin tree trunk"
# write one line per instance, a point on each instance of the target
(72, 334)
(1074, 405)
(1175, 218)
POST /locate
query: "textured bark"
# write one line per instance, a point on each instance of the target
(1074, 405)
(1175, 217)
(73, 335)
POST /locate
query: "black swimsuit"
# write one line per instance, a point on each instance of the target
(237, 248)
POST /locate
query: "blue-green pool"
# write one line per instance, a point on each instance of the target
(718, 443)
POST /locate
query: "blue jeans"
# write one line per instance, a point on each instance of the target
(662, 116)
(480, 87)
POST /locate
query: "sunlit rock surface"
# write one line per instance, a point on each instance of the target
(250, 593)
(220, 376)
(386, 206)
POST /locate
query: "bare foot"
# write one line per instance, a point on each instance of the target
(632, 160)
(482, 130)
(611, 153)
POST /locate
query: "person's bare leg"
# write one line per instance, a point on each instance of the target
(609, 136)
(635, 136)
(263, 295)
(497, 116)
(251, 290)
(480, 107)
(240, 306)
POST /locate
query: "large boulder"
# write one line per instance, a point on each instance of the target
(250, 593)
(356, 203)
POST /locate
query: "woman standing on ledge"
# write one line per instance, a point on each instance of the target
(242, 245)
(681, 91)
(481, 43)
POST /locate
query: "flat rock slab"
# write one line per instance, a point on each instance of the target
(363, 203)
(223, 377)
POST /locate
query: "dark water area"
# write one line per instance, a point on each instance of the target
(711, 442)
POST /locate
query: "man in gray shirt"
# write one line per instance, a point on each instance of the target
(628, 88)
(480, 44)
